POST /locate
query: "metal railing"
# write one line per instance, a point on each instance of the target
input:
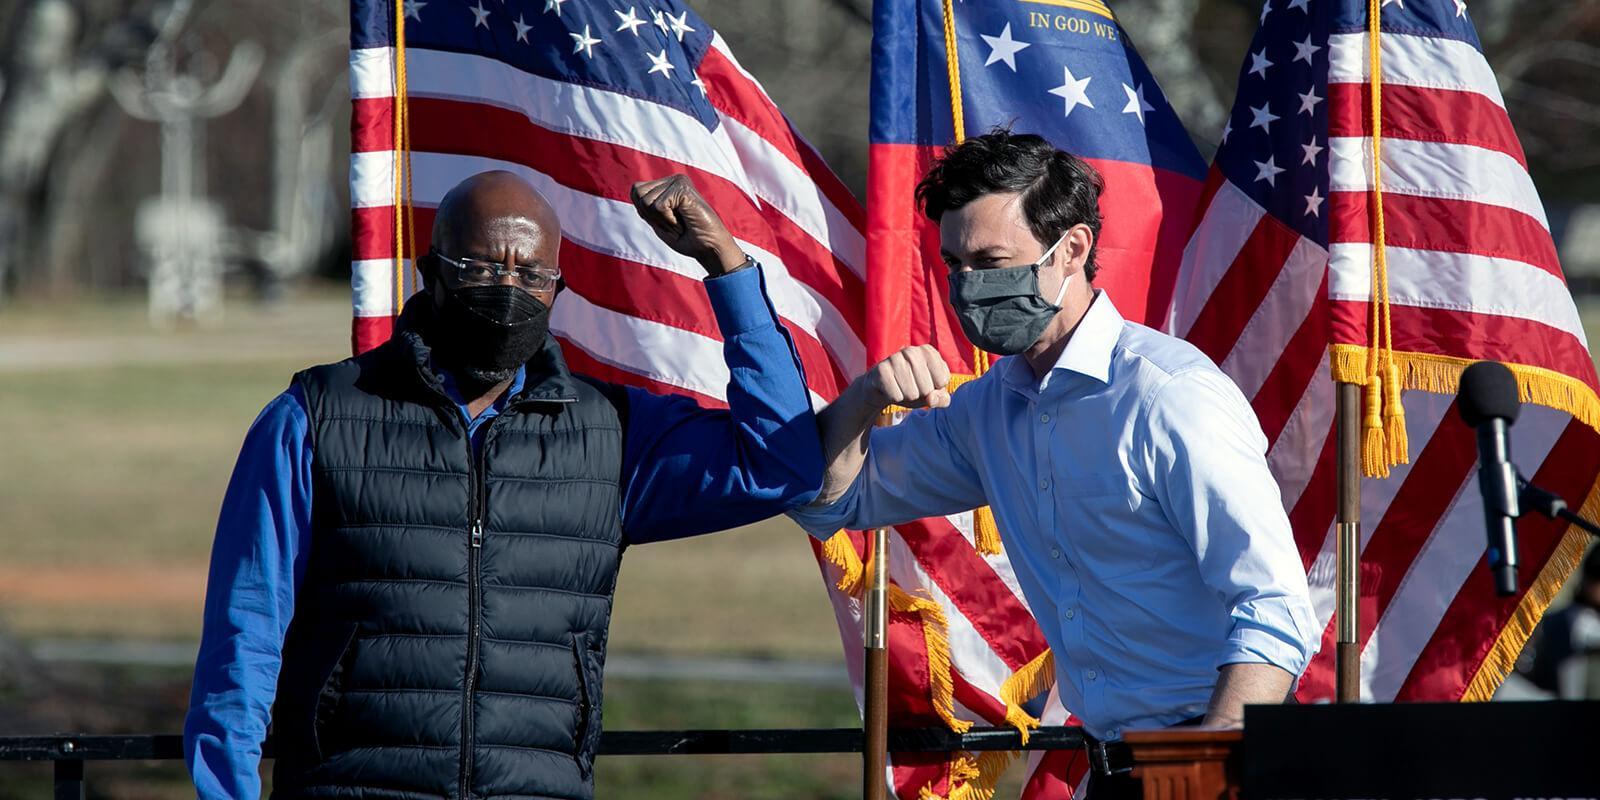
(71, 754)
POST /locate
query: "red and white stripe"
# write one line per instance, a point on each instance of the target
(1472, 274)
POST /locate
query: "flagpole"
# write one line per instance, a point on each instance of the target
(1348, 544)
(875, 759)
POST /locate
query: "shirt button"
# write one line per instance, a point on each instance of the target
(1091, 674)
(1055, 552)
(1071, 613)
(1044, 483)
(1044, 417)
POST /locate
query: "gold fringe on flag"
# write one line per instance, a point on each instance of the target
(842, 553)
(1426, 372)
(985, 535)
(1033, 679)
(935, 633)
(973, 777)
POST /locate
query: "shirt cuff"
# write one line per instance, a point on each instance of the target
(1248, 644)
(739, 299)
(822, 521)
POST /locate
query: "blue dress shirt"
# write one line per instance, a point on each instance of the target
(686, 470)
(1131, 490)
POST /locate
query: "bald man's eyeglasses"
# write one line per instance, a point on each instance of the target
(477, 272)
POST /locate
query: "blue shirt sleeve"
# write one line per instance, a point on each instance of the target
(257, 562)
(688, 470)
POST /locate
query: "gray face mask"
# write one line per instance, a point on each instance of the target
(1001, 310)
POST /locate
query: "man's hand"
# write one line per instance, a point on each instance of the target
(915, 377)
(685, 221)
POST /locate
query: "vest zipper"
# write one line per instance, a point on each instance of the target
(480, 501)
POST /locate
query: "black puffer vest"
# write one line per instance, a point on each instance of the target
(450, 630)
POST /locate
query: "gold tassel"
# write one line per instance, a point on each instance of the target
(1394, 420)
(1033, 679)
(985, 535)
(1373, 463)
(935, 635)
(981, 778)
(841, 552)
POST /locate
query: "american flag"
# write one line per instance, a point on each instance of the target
(1066, 71)
(1280, 268)
(583, 99)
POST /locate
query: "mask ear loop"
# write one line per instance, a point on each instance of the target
(1065, 281)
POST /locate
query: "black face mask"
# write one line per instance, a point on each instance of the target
(484, 333)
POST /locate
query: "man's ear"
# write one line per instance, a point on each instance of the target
(1076, 249)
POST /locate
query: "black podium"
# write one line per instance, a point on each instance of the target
(1422, 751)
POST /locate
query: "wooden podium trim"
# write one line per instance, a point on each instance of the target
(1186, 764)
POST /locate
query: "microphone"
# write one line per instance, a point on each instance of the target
(1488, 403)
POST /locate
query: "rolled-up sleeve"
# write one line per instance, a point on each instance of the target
(690, 470)
(914, 469)
(1207, 465)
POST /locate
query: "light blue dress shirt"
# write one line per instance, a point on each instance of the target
(1132, 493)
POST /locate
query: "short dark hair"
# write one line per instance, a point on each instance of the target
(1059, 190)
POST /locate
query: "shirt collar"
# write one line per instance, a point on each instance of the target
(1088, 352)
(454, 392)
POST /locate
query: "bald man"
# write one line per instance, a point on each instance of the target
(417, 552)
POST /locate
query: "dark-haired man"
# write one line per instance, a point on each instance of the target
(417, 552)
(1126, 472)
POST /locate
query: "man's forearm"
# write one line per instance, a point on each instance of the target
(845, 425)
(1240, 685)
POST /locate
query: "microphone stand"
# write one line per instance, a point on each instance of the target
(1550, 504)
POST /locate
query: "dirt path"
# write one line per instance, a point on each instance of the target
(99, 586)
